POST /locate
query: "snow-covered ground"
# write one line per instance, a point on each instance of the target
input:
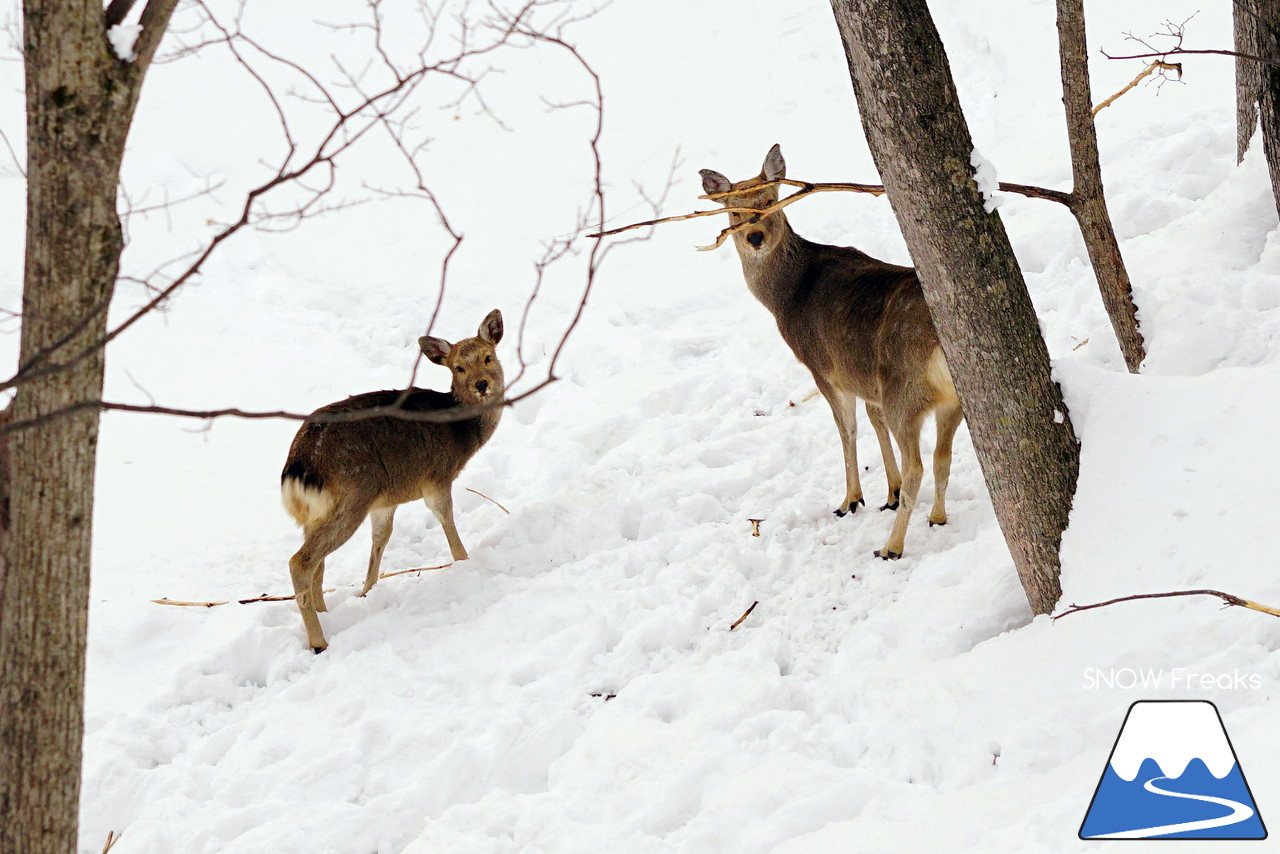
(575, 686)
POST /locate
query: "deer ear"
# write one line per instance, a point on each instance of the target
(714, 182)
(435, 349)
(491, 327)
(774, 166)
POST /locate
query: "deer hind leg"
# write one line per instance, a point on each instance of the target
(876, 416)
(440, 502)
(948, 418)
(317, 589)
(381, 521)
(842, 409)
(907, 433)
(306, 567)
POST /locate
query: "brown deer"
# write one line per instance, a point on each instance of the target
(862, 328)
(339, 472)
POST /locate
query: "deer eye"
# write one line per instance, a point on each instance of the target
(488, 359)
(460, 369)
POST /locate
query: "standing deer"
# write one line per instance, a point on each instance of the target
(339, 472)
(862, 328)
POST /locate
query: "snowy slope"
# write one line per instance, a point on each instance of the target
(862, 706)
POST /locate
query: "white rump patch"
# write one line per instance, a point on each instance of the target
(305, 504)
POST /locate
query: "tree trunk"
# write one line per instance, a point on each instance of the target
(1267, 28)
(1248, 74)
(1088, 202)
(1257, 32)
(80, 102)
(974, 288)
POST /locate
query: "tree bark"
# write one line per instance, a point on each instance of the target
(1257, 32)
(80, 102)
(1088, 202)
(1267, 29)
(972, 283)
(1248, 74)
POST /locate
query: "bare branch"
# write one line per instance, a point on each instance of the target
(1142, 75)
(807, 188)
(1227, 598)
(185, 603)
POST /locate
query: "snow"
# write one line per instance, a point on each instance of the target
(123, 37)
(1172, 734)
(984, 175)
(863, 705)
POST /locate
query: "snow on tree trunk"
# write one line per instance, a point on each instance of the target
(975, 291)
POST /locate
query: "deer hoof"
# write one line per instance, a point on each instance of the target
(852, 507)
(887, 554)
(939, 524)
(893, 506)
(319, 649)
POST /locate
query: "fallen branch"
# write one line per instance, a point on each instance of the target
(487, 498)
(746, 614)
(289, 598)
(1146, 72)
(1227, 598)
(755, 526)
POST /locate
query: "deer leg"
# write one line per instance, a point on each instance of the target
(908, 436)
(876, 416)
(306, 566)
(380, 521)
(317, 588)
(440, 501)
(842, 409)
(948, 420)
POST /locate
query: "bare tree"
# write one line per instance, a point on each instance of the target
(83, 79)
(1088, 203)
(975, 291)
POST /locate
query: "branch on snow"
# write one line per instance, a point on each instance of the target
(1228, 599)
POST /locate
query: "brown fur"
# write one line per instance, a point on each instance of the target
(339, 472)
(862, 327)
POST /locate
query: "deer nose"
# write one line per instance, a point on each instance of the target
(482, 386)
(755, 238)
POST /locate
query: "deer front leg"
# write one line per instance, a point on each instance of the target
(381, 523)
(842, 409)
(441, 503)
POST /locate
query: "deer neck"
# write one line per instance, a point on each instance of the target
(773, 272)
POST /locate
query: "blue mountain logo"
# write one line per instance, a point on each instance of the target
(1173, 774)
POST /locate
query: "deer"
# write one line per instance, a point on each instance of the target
(862, 328)
(339, 472)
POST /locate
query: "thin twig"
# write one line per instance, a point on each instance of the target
(288, 598)
(112, 839)
(487, 498)
(1228, 598)
(746, 614)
